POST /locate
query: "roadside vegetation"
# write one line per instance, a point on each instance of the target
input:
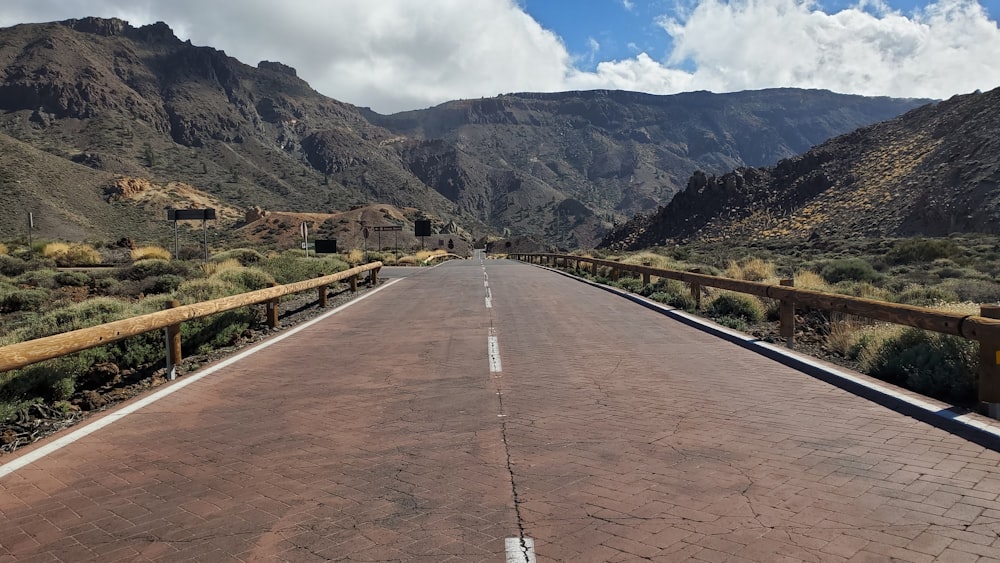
(39, 297)
(957, 273)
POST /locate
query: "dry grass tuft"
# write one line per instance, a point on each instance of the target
(147, 252)
(213, 268)
(355, 256)
(751, 269)
(3, 249)
(808, 279)
(652, 260)
(75, 254)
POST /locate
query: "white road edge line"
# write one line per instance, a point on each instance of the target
(35, 455)
(520, 550)
(489, 303)
(494, 351)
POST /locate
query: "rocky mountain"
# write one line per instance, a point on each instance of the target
(933, 171)
(88, 101)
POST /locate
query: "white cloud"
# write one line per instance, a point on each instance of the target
(628, 5)
(949, 47)
(400, 54)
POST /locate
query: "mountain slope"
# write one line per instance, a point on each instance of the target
(102, 95)
(932, 171)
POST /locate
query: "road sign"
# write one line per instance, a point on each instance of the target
(365, 232)
(304, 230)
(190, 214)
(304, 245)
(389, 228)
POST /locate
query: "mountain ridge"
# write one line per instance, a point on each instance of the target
(560, 167)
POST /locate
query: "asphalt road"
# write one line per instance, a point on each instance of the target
(494, 411)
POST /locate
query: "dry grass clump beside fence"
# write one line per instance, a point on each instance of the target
(149, 252)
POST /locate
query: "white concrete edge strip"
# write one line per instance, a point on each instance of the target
(59, 443)
(968, 419)
(493, 345)
(520, 550)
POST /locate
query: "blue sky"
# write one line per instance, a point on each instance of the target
(622, 32)
(395, 55)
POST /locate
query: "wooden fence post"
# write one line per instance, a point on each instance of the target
(272, 310)
(615, 273)
(322, 296)
(696, 291)
(354, 283)
(645, 278)
(593, 269)
(787, 314)
(173, 333)
(989, 367)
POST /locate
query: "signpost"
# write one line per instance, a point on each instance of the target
(395, 229)
(31, 225)
(304, 231)
(191, 215)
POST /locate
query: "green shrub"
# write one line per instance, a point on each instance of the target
(106, 285)
(678, 300)
(74, 279)
(167, 283)
(932, 364)
(737, 305)
(217, 331)
(91, 312)
(922, 250)
(47, 380)
(849, 269)
(288, 267)
(11, 266)
(245, 279)
(156, 267)
(632, 285)
(245, 256)
(662, 285)
(976, 291)
(201, 289)
(922, 296)
(23, 299)
(38, 278)
(944, 269)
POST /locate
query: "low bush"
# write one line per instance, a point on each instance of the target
(38, 278)
(245, 256)
(738, 305)
(17, 299)
(73, 279)
(288, 268)
(3, 249)
(150, 253)
(157, 267)
(929, 363)
(201, 289)
(977, 291)
(922, 296)
(849, 269)
(912, 251)
(632, 285)
(167, 283)
(245, 279)
(678, 300)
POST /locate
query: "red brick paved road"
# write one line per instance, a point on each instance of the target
(617, 435)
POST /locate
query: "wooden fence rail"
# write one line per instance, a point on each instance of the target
(23, 354)
(984, 328)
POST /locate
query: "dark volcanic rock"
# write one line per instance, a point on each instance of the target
(932, 171)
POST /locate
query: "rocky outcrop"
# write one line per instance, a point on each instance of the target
(126, 188)
(932, 171)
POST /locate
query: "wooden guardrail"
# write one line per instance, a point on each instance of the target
(984, 328)
(23, 354)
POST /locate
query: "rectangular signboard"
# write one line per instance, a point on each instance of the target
(326, 246)
(388, 228)
(190, 214)
(422, 227)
